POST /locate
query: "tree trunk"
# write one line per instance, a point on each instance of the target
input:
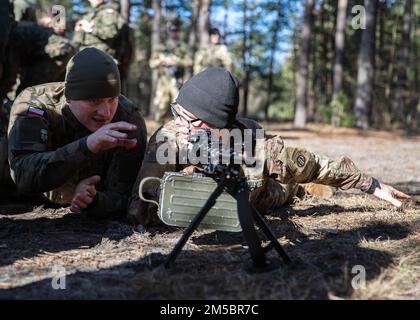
(225, 19)
(401, 100)
(193, 35)
(365, 72)
(338, 61)
(155, 43)
(390, 72)
(302, 81)
(125, 10)
(204, 23)
(245, 83)
(312, 71)
(273, 48)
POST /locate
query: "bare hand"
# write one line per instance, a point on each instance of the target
(108, 137)
(390, 194)
(84, 194)
(170, 61)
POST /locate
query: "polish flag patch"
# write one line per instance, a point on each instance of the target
(35, 112)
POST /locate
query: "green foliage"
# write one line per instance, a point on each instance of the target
(282, 106)
(342, 108)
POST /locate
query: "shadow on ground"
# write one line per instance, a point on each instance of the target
(320, 266)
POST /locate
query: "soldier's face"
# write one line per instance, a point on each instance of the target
(187, 122)
(174, 35)
(214, 38)
(95, 113)
(95, 3)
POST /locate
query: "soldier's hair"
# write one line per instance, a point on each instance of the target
(175, 25)
(214, 31)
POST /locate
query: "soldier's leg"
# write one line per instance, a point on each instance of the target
(294, 190)
(274, 195)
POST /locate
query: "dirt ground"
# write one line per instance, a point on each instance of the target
(329, 240)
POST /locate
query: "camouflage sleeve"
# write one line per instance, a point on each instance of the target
(198, 61)
(156, 60)
(288, 164)
(59, 47)
(227, 59)
(77, 39)
(121, 174)
(139, 211)
(106, 25)
(186, 60)
(34, 169)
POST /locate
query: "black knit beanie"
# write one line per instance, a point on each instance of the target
(212, 96)
(92, 74)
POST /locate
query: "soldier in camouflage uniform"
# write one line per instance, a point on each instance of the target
(101, 28)
(210, 100)
(171, 62)
(80, 143)
(24, 10)
(35, 54)
(215, 55)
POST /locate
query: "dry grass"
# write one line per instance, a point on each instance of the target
(324, 237)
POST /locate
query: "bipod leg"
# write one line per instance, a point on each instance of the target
(246, 219)
(195, 222)
(259, 219)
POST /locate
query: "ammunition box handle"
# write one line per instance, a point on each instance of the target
(142, 182)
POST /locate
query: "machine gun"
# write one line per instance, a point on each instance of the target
(228, 179)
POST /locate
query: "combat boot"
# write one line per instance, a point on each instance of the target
(314, 189)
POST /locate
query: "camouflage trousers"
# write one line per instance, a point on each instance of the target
(166, 92)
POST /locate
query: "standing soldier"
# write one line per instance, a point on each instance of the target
(171, 62)
(105, 29)
(37, 54)
(215, 55)
(24, 10)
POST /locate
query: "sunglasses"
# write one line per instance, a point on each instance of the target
(194, 123)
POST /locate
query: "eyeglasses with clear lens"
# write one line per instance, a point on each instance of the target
(191, 123)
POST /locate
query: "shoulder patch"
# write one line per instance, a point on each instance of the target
(35, 112)
(300, 160)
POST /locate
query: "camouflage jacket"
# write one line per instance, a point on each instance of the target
(24, 10)
(280, 165)
(213, 56)
(177, 50)
(106, 24)
(44, 62)
(48, 151)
